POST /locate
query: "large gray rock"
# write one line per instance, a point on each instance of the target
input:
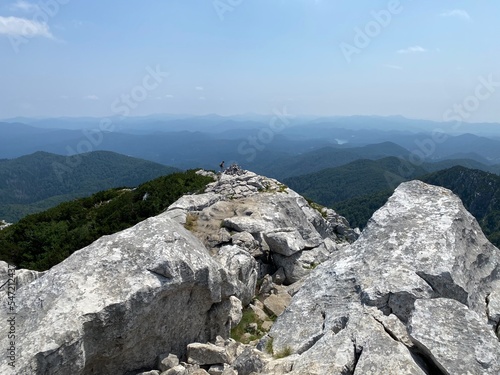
(115, 305)
(249, 362)
(300, 264)
(421, 246)
(455, 337)
(286, 241)
(206, 354)
(245, 224)
(239, 273)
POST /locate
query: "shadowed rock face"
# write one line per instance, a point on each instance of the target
(115, 305)
(421, 249)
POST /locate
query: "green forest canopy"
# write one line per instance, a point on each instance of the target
(42, 240)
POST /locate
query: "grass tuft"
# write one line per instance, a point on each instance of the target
(283, 353)
(191, 221)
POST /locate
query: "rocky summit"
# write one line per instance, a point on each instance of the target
(417, 293)
(292, 284)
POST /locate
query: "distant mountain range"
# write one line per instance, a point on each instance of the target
(333, 160)
(265, 144)
(217, 123)
(41, 180)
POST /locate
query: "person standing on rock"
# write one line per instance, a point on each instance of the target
(221, 165)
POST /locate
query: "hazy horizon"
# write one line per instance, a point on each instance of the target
(430, 61)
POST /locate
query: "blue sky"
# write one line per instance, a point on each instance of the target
(413, 58)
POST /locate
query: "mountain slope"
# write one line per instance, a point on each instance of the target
(355, 179)
(328, 157)
(42, 240)
(470, 163)
(41, 180)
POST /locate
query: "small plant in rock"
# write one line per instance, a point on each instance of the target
(191, 220)
(317, 207)
(283, 353)
(243, 332)
(269, 346)
(311, 266)
(282, 188)
(266, 187)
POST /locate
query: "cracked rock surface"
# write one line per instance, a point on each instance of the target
(115, 305)
(422, 264)
(264, 217)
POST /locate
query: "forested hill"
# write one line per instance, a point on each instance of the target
(355, 179)
(41, 240)
(41, 180)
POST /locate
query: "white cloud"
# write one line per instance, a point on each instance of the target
(169, 96)
(458, 13)
(395, 67)
(16, 26)
(91, 97)
(25, 6)
(414, 49)
(199, 88)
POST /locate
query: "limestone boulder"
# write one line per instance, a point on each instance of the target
(167, 362)
(455, 337)
(117, 304)
(406, 293)
(284, 241)
(275, 304)
(239, 273)
(206, 354)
